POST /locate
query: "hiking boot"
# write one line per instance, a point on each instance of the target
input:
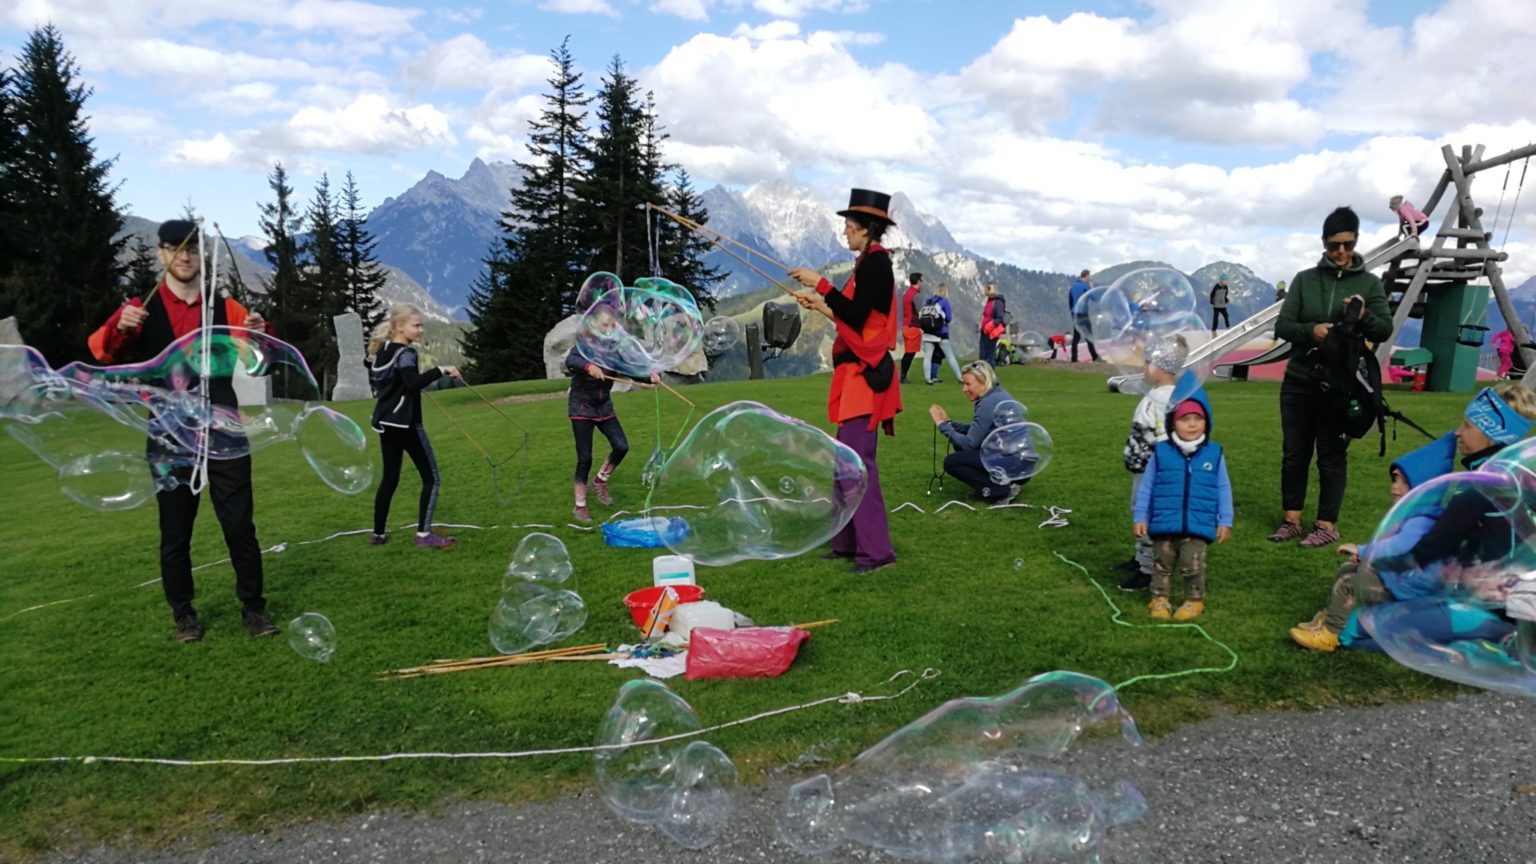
(1316, 622)
(189, 629)
(378, 539)
(1160, 608)
(1320, 536)
(581, 514)
(1189, 610)
(600, 491)
(1321, 639)
(1137, 581)
(257, 623)
(1288, 530)
(433, 541)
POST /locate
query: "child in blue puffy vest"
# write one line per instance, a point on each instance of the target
(1184, 503)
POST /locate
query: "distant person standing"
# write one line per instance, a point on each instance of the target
(992, 324)
(1080, 286)
(1220, 292)
(1280, 291)
(911, 334)
(1410, 222)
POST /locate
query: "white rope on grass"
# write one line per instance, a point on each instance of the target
(849, 698)
(905, 504)
(951, 503)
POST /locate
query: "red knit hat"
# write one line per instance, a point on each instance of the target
(1189, 406)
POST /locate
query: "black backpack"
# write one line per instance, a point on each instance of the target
(1348, 375)
(930, 318)
(781, 325)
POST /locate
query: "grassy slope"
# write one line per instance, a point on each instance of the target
(102, 676)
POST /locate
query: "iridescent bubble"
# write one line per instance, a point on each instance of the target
(595, 286)
(1032, 344)
(529, 614)
(107, 481)
(727, 480)
(686, 788)
(637, 331)
(335, 447)
(652, 468)
(1009, 412)
(787, 485)
(1018, 563)
(539, 558)
(977, 779)
(1015, 453)
(720, 334)
(312, 637)
(1155, 350)
(1099, 314)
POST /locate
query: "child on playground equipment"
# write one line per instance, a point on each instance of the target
(397, 378)
(1183, 504)
(1410, 222)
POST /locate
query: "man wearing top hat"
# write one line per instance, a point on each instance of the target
(139, 331)
(865, 395)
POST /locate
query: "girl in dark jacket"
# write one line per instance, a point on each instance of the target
(398, 380)
(590, 407)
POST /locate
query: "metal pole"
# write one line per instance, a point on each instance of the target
(754, 352)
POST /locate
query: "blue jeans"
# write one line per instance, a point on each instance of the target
(930, 369)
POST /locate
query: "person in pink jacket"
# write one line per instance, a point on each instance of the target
(1410, 222)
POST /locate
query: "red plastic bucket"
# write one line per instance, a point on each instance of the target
(640, 602)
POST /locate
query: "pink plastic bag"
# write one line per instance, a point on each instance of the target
(749, 652)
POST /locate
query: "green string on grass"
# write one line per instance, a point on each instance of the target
(1119, 618)
(650, 488)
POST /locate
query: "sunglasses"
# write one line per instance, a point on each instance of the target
(1334, 245)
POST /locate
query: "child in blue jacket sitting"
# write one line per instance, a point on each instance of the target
(1184, 503)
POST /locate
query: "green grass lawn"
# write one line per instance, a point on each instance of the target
(102, 676)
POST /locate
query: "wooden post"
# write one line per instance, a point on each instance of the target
(754, 352)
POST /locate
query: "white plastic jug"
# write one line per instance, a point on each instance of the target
(672, 570)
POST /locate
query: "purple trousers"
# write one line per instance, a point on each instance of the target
(867, 537)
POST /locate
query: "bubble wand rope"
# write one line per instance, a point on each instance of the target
(522, 448)
(849, 698)
(715, 237)
(649, 386)
(683, 427)
(1118, 618)
(494, 407)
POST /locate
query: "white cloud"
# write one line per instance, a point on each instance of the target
(801, 8)
(780, 29)
(465, 62)
(691, 10)
(252, 97)
(579, 7)
(217, 151)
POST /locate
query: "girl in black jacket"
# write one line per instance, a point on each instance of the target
(398, 380)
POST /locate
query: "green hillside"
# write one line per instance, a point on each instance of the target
(97, 673)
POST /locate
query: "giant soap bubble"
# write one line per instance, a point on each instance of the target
(86, 421)
(976, 779)
(1016, 452)
(755, 484)
(533, 608)
(595, 286)
(1160, 329)
(1099, 315)
(634, 331)
(685, 787)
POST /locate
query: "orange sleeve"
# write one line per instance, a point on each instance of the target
(108, 341)
(234, 312)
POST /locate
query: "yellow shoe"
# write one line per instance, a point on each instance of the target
(1321, 639)
(1189, 610)
(1160, 608)
(1316, 623)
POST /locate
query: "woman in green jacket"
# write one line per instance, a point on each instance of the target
(1314, 303)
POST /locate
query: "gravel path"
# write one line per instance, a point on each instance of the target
(1423, 782)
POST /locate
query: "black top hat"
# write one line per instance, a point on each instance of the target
(869, 203)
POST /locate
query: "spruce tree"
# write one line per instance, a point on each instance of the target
(540, 260)
(620, 179)
(682, 251)
(324, 275)
(286, 310)
(143, 270)
(61, 223)
(364, 277)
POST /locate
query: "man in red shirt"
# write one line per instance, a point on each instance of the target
(137, 332)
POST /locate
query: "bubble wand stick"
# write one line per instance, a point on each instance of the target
(715, 237)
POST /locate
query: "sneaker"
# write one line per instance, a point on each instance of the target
(378, 539)
(600, 491)
(1321, 639)
(257, 623)
(1160, 608)
(581, 514)
(189, 629)
(1288, 530)
(1129, 565)
(1137, 581)
(835, 555)
(1189, 610)
(1316, 623)
(1013, 494)
(1320, 536)
(433, 541)
(861, 569)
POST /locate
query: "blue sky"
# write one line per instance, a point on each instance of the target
(1048, 134)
